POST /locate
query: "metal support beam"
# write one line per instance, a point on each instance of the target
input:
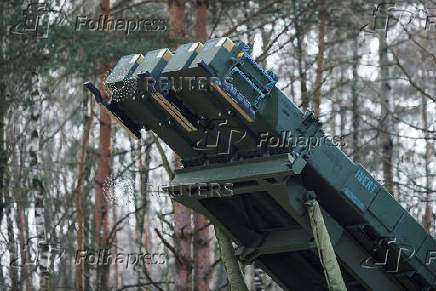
(288, 192)
(277, 242)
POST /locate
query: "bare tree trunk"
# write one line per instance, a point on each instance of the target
(333, 113)
(338, 106)
(78, 196)
(177, 18)
(201, 252)
(143, 223)
(183, 242)
(38, 190)
(104, 165)
(139, 215)
(201, 229)
(355, 96)
(25, 274)
(144, 180)
(182, 214)
(89, 220)
(342, 107)
(386, 122)
(3, 187)
(3, 161)
(115, 242)
(13, 255)
(18, 162)
(427, 221)
(320, 57)
(103, 187)
(201, 16)
(301, 70)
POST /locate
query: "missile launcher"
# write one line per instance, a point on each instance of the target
(226, 118)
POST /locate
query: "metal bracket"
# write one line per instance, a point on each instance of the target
(279, 241)
(296, 163)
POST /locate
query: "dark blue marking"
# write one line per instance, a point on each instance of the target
(370, 185)
(271, 77)
(354, 199)
(237, 97)
(231, 91)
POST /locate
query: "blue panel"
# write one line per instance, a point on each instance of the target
(270, 76)
(237, 97)
(260, 96)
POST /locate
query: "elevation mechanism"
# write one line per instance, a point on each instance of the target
(224, 116)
